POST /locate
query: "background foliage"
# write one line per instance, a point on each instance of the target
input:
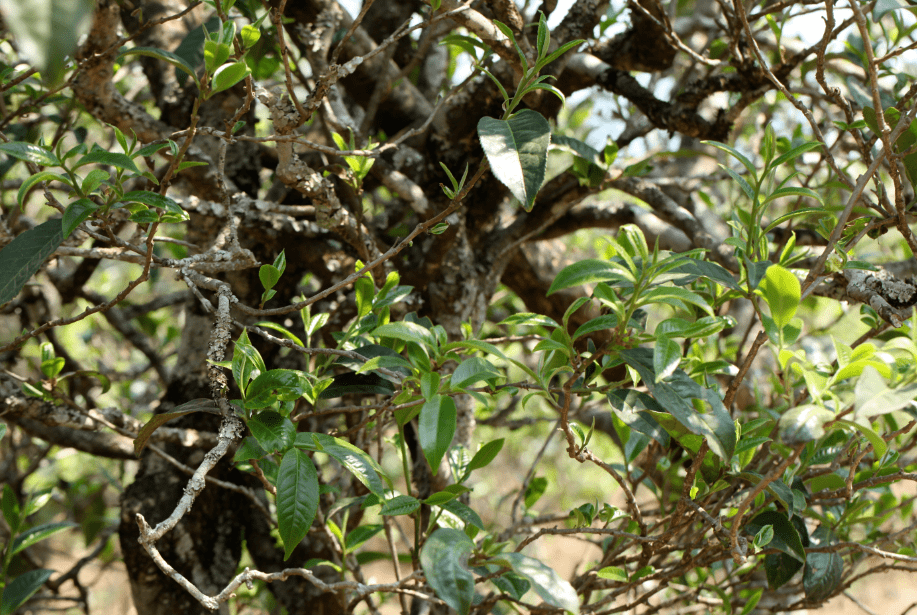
(289, 291)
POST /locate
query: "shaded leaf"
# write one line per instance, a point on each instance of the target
(23, 256)
(22, 588)
(786, 537)
(195, 405)
(444, 559)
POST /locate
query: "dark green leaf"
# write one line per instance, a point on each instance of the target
(350, 383)
(586, 271)
(23, 256)
(444, 559)
(517, 150)
(786, 537)
(666, 357)
(248, 450)
(273, 431)
(578, 148)
(471, 371)
(76, 212)
(600, 323)
(361, 534)
(674, 394)
(100, 156)
(630, 406)
(151, 199)
(437, 427)
(30, 152)
(400, 505)
(276, 385)
(463, 512)
(355, 460)
(715, 272)
(42, 176)
(406, 332)
(822, 575)
(780, 568)
(297, 498)
(22, 588)
(529, 319)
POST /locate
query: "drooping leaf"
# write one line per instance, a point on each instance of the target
(195, 405)
(361, 534)
(437, 427)
(463, 512)
(874, 397)
(444, 559)
(823, 570)
(666, 357)
(354, 459)
(166, 56)
(517, 150)
(674, 395)
(23, 256)
(297, 498)
(630, 406)
(549, 586)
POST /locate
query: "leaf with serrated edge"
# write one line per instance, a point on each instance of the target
(297, 498)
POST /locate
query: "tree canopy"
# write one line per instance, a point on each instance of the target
(292, 293)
